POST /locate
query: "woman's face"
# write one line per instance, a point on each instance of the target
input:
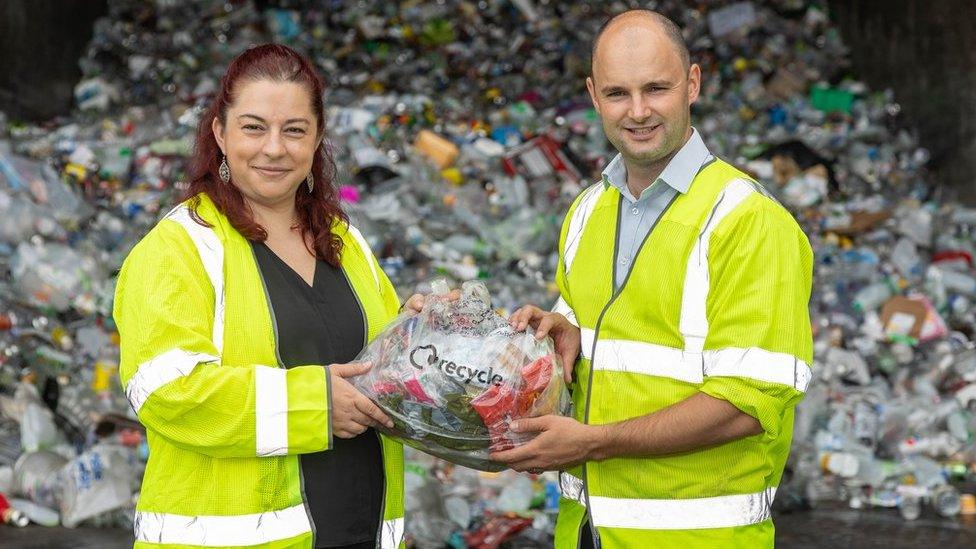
(269, 140)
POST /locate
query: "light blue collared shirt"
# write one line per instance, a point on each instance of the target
(639, 215)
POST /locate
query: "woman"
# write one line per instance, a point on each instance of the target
(229, 308)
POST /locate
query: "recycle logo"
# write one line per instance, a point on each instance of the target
(424, 356)
(428, 350)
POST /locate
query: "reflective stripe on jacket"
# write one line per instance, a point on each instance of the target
(225, 421)
(717, 302)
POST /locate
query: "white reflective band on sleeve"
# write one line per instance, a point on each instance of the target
(571, 487)
(392, 533)
(635, 357)
(564, 309)
(694, 323)
(270, 411)
(212, 256)
(222, 531)
(578, 222)
(620, 355)
(160, 370)
(367, 253)
(759, 364)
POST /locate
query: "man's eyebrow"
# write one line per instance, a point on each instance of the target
(263, 121)
(658, 84)
(652, 84)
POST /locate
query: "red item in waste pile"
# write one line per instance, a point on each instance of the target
(952, 256)
(495, 531)
(9, 515)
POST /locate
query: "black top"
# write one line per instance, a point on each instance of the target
(323, 324)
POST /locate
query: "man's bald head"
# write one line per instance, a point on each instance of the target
(638, 16)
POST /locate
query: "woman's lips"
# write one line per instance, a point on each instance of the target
(271, 173)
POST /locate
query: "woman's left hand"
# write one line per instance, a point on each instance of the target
(415, 303)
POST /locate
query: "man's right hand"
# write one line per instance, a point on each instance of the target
(352, 412)
(564, 334)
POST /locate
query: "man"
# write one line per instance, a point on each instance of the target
(685, 287)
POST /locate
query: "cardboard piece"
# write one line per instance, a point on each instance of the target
(860, 221)
(902, 316)
(786, 84)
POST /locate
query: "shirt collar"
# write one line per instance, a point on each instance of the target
(679, 173)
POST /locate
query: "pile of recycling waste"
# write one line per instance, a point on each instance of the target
(462, 131)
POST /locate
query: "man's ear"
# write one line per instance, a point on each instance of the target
(694, 83)
(591, 87)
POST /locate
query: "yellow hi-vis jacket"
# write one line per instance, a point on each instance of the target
(716, 301)
(225, 420)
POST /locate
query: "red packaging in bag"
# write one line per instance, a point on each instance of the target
(501, 404)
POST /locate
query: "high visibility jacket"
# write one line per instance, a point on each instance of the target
(716, 301)
(225, 421)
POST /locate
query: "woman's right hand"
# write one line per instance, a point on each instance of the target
(352, 412)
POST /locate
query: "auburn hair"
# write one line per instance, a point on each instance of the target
(319, 210)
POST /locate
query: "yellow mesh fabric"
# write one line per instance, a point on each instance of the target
(201, 426)
(760, 267)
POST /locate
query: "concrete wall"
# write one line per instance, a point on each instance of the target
(40, 44)
(925, 50)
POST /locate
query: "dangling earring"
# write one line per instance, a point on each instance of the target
(309, 182)
(224, 170)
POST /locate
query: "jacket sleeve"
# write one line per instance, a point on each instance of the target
(173, 375)
(759, 347)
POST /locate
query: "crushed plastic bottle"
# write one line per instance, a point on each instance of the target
(10, 514)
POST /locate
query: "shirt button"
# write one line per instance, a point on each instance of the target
(635, 211)
(624, 260)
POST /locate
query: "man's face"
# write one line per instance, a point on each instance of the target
(643, 93)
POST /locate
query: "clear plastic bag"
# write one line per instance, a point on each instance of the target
(453, 377)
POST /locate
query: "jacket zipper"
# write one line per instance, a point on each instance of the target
(596, 338)
(379, 529)
(274, 329)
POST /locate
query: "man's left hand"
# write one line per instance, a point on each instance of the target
(561, 443)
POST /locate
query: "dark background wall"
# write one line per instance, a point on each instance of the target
(925, 50)
(40, 44)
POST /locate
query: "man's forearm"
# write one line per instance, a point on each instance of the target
(693, 423)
